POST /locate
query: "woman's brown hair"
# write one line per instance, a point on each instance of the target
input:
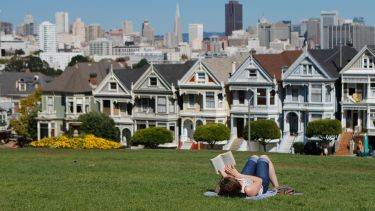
(229, 186)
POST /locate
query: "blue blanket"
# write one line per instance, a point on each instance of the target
(268, 194)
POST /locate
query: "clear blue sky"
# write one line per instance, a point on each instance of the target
(160, 13)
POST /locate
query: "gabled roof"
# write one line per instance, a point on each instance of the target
(75, 79)
(329, 59)
(129, 76)
(222, 67)
(273, 63)
(174, 72)
(8, 82)
(355, 58)
(371, 48)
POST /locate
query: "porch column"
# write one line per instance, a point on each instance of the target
(343, 119)
(368, 118)
(359, 117)
(111, 107)
(38, 129)
(285, 116)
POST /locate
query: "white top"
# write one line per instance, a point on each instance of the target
(248, 182)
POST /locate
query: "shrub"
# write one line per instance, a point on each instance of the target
(212, 133)
(152, 137)
(100, 125)
(263, 131)
(311, 148)
(324, 129)
(87, 142)
(298, 147)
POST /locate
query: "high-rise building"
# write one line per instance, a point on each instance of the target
(28, 19)
(313, 32)
(47, 37)
(6, 27)
(233, 17)
(327, 18)
(93, 32)
(101, 47)
(264, 32)
(62, 22)
(170, 40)
(177, 25)
(79, 30)
(147, 32)
(127, 28)
(281, 31)
(196, 36)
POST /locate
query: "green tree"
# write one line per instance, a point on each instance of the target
(140, 64)
(26, 124)
(212, 133)
(263, 131)
(326, 130)
(100, 125)
(152, 137)
(33, 63)
(19, 52)
(79, 59)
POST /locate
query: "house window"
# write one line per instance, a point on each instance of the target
(315, 117)
(123, 109)
(262, 96)
(153, 81)
(79, 105)
(252, 73)
(22, 87)
(162, 104)
(162, 124)
(272, 97)
(372, 86)
(107, 107)
(201, 77)
(241, 97)
(191, 101)
(365, 63)
(70, 105)
(172, 106)
(2, 120)
(307, 69)
(50, 104)
(316, 93)
(328, 94)
(87, 105)
(147, 105)
(295, 93)
(210, 100)
(220, 97)
(116, 109)
(112, 86)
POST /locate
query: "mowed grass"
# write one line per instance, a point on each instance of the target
(47, 179)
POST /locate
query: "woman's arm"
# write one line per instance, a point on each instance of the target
(253, 189)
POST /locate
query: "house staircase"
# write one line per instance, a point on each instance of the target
(286, 144)
(236, 144)
(344, 143)
(186, 145)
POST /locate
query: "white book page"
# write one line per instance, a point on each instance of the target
(228, 159)
(218, 164)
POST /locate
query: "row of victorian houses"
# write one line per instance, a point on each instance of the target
(291, 88)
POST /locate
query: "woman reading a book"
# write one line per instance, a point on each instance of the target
(252, 181)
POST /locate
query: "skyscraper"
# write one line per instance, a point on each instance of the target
(264, 32)
(127, 27)
(196, 36)
(327, 18)
(93, 32)
(62, 22)
(177, 25)
(233, 17)
(79, 30)
(47, 37)
(147, 32)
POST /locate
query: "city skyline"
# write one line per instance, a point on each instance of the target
(111, 16)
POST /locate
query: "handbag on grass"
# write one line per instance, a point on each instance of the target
(287, 191)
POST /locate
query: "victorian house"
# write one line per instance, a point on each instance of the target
(311, 89)
(69, 96)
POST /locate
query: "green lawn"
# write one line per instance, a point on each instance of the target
(43, 179)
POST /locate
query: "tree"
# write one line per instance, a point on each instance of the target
(326, 130)
(212, 133)
(33, 63)
(263, 131)
(100, 125)
(19, 52)
(140, 64)
(152, 137)
(79, 59)
(26, 125)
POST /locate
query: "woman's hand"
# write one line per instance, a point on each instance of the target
(223, 174)
(230, 170)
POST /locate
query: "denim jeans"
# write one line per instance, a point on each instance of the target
(258, 167)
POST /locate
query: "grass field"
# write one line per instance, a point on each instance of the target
(43, 179)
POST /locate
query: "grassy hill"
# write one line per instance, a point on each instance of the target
(44, 179)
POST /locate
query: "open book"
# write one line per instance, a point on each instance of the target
(219, 162)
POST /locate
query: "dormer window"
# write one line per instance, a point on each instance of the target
(22, 87)
(252, 73)
(113, 86)
(368, 62)
(153, 81)
(307, 69)
(201, 77)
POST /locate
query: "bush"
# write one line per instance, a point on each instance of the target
(212, 133)
(87, 142)
(311, 148)
(298, 147)
(324, 129)
(100, 125)
(152, 137)
(263, 131)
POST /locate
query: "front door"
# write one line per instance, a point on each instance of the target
(240, 125)
(293, 124)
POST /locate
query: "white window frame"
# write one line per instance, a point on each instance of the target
(315, 91)
(210, 102)
(162, 106)
(110, 86)
(50, 104)
(191, 100)
(201, 79)
(253, 73)
(149, 81)
(68, 101)
(172, 107)
(78, 99)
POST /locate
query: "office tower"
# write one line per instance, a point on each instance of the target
(281, 31)
(313, 32)
(147, 32)
(47, 37)
(196, 36)
(170, 40)
(327, 18)
(177, 25)
(6, 27)
(79, 30)
(101, 47)
(233, 17)
(93, 32)
(28, 19)
(303, 28)
(127, 28)
(264, 32)
(62, 22)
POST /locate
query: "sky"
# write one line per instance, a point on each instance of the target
(110, 13)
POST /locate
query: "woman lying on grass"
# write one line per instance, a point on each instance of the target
(252, 181)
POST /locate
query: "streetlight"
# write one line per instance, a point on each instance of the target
(248, 118)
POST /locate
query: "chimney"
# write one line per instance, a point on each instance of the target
(234, 67)
(93, 80)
